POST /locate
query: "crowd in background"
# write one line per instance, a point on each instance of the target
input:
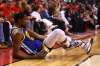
(79, 15)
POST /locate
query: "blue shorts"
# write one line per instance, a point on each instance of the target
(31, 46)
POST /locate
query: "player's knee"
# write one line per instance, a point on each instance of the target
(59, 32)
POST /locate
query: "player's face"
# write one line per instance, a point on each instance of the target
(23, 22)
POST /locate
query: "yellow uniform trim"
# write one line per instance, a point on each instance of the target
(45, 48)
(27, 34)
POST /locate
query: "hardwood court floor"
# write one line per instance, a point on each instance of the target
(61, 57)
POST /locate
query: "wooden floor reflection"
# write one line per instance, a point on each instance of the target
(61, 57)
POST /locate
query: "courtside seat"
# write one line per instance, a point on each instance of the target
(6, 56)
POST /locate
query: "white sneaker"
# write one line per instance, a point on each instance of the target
(88, 46)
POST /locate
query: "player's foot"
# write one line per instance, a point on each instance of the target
(88, 46)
